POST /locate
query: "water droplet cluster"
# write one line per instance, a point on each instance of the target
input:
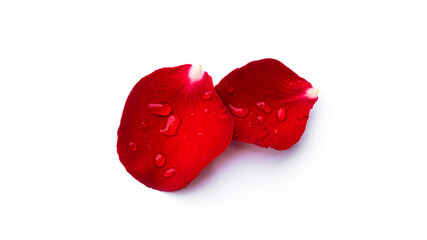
(264, 107)
(170, 129)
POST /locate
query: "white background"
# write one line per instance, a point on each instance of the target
(359, 171)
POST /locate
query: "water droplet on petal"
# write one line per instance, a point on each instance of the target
(148, 146)
(144, 124)
(236, 135)
(133, 146)
(229, 87)
(159, 160)
(206, 111)
(265, 107)
(169, 172)
(172, 125)
(162, 109)
(238, 112)
(299, 81)
(281, 114)
(153, 85)
(260, 119)
(207, 95)
(276, 131)
(249, 124)
(192, 114)
(199, 134)
(290, 83)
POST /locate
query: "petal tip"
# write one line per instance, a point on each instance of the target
(195, 73)
(312, 93)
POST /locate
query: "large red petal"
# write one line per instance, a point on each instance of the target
(269, 102)
(172, 127)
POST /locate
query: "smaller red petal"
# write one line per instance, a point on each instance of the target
(269, 93)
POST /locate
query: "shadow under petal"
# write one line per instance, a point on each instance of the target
(232, 155)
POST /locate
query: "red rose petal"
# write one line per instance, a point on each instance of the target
(277, 99)
(173, 125)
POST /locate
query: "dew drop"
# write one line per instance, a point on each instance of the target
(148, 146)
(159, 160)
(133, 146)
(172, 125)
(238, 112)
(199, 134)
(169, 172)
(162, 109)
(206, 111)
(261, 119)
(290, 83)
(207, 95)
(229, 87)
(249, 124)
(192, 115)
(299, 81)
(281, 114)
(144, 124)
(265, 107)
(276, 131)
